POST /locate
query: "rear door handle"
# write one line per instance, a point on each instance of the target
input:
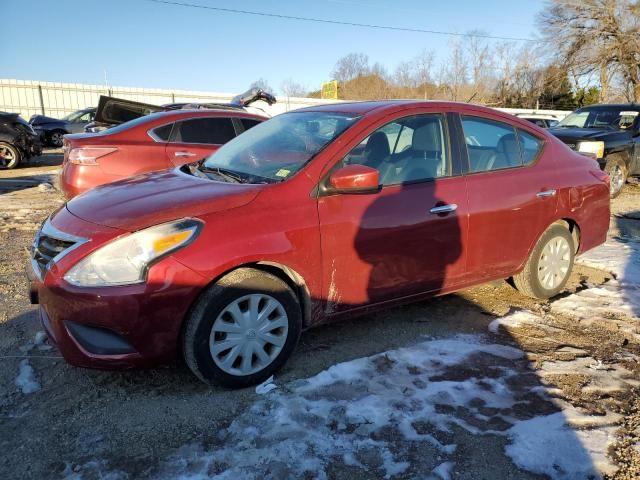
(184, 154)
(452, 207)
(546, 193)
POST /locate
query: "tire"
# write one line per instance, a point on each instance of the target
(529, 281)
(617, 171)
(217, 321)
(55, 138)
(9, 156)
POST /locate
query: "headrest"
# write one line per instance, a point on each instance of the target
(427, 137)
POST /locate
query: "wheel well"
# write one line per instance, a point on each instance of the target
(284, 273)
(574, 229)
(295, 282)
(625, 156)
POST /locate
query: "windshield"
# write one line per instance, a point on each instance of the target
(279, 147)
(73, 116)
(600, 118)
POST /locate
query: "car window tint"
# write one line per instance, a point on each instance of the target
(529, 145)
(407, 150)
(163, 132)
(247, 123)
(491, 145)
(205, 130)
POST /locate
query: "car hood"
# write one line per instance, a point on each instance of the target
(42, 119)
(581, 133)
(158, 197)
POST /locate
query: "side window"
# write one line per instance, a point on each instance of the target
(248, 123)
(530, 146)
(205, 130)
(161, 134)
(491, 145)
(85, 118)
(408, 150)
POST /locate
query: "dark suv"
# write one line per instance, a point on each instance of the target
(611, 134)
(18, 140)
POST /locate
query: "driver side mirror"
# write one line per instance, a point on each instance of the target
(355, 179)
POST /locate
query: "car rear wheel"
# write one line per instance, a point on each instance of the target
(617, 171)
(56, 138)
(549, 266)
(9, 156)
(242, 329)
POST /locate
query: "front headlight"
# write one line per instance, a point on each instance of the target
(125, 261)
(595, 148)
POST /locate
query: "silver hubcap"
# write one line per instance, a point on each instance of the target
(553, 266)
(6, 156)
(56, 139)
(248, 334)
(616, 178)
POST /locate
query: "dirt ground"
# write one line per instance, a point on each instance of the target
(81, 423)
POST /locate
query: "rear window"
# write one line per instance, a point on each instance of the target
(205, 130)
(248, 123)
(530, 146)
(493, 145)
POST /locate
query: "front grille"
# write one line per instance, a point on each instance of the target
(572, 146)
(49, 245)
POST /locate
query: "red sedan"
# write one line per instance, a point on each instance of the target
(315, 214)
(153, 142)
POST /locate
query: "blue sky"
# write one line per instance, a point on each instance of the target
(144, 44)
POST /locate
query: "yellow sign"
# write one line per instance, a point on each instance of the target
(329, 90)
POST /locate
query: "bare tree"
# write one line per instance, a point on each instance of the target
(262, 84)
(351, 66)
(290, 88)
(423, 67)
(455, 75)
(593, 35)
(479, 59)
(504, 55)
(404, 79)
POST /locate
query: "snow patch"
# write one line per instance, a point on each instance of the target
(513, 320)
(548, 446)
(26, 379)
(617, 297)
(368, 414)
(444, 470)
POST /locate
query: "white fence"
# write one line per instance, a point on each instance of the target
(30, 97)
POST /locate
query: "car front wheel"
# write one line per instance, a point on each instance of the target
(549, 266)
(242, 329)
(617, 171)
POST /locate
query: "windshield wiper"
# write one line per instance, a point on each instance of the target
(228, 175)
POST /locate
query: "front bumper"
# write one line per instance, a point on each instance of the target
(118, 327)
(114, 327)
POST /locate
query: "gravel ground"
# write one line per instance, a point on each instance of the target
(83, 423)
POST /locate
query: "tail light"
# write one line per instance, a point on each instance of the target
(89, 155)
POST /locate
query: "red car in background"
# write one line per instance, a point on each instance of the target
(313, 215)
(153, 142)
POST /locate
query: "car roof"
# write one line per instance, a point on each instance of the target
(202, 112)
(604, 106)
(363, 108)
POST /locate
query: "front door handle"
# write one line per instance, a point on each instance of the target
(184, 154)
(452, 207)
(546, 193)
